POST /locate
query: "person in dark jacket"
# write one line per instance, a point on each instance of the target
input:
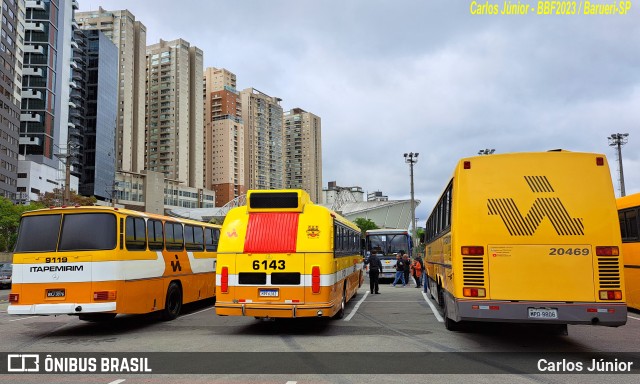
(375, 267)
(399, 270)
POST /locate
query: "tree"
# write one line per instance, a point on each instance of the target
(52, 199)
(9, 220)
(365, 224)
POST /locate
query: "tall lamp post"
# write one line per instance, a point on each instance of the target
(618, 140)
(412, 158)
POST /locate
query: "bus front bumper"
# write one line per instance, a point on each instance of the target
(261, 310)
(61, 309)
(607, 314)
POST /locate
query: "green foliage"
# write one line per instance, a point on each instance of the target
(365, 224)
(9, 220)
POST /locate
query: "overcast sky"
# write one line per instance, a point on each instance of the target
(394, 76)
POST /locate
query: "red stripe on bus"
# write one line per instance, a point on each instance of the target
(272, 233)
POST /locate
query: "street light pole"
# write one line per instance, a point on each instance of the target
(412, 158)
(618, 140)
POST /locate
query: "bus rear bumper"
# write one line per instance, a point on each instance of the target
(607, 314)
(274, 310)
(61, 309)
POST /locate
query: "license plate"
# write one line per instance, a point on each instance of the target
(268, 293)
(55, 292)
(543, 313)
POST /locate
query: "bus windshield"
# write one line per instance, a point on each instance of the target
(388, 244)
(40, 233)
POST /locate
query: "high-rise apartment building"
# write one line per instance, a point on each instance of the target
(130, 36)
(101, 97)
(174, 144)
(224, 136)
(264, 140)
(303, 152)
(11, 59)
(46, 87)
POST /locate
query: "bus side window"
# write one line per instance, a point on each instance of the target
(136, 239)
(156, 239)
(194, 238)
(211, 239)
(173, 236)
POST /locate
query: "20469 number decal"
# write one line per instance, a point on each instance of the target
(264, 264)
(569, 251)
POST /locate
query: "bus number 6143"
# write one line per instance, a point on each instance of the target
(273, 264)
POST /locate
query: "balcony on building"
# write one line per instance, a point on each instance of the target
(74, 4)
(29, 140)
(35, 4)
(31, 71)
(74, 85)
(34, 27)
(30, 117)
(32, 94)
(30, 48)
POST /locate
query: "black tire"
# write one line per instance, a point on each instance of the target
(173, 302)
(449, 324)
(343, 303)
(97, 317)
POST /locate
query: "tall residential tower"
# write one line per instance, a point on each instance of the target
(303, 152)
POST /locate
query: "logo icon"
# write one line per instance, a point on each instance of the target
(23, 363)
(551, 208)
(313, 232)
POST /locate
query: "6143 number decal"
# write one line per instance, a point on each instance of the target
(264, 264)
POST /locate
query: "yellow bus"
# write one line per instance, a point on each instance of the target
(281, 256)
(628, 214)
(527, 238)
(97, 262)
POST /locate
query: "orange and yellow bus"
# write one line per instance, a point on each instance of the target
(281, 256)
(527, 238)
(97, 262)
(628, 214)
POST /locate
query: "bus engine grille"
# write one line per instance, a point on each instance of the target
(609, 271)
(473, 270)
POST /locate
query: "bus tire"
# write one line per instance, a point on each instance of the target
(97, 317)
(343, 303)
(449, 324)
(173, 302)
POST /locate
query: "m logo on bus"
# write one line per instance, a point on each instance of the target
(549, 207)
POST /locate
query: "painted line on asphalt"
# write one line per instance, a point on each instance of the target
(24, 318)
(118, 381)
(353, 312)
(634, 318)
(195, 313)
(433, 308)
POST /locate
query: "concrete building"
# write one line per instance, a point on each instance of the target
(303, 152)
(11, 63)
(224, 138)
(45, 144)
(264, 140)
(377, 196)
(130, 36)
(101, 98)
(175, 140)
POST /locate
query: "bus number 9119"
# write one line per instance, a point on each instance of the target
(264, 264)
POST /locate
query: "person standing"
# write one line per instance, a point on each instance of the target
(416, 267)
(375, 266)
(407, 266)
(400, 270)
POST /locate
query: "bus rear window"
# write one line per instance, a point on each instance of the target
(88, 231)
(38, 233)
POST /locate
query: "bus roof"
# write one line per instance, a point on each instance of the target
(628, 201)
(384, 231)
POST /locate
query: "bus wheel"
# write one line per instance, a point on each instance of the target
(449, 324)
(97, 317)
(173, 303)
(340, 314)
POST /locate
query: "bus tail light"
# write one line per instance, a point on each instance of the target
(224, 280)
(599, 161)
(607, 251)
(474, 292)
(13, 297)
(610, 295)
(315, 279)
(104, 295)
(472, 250)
